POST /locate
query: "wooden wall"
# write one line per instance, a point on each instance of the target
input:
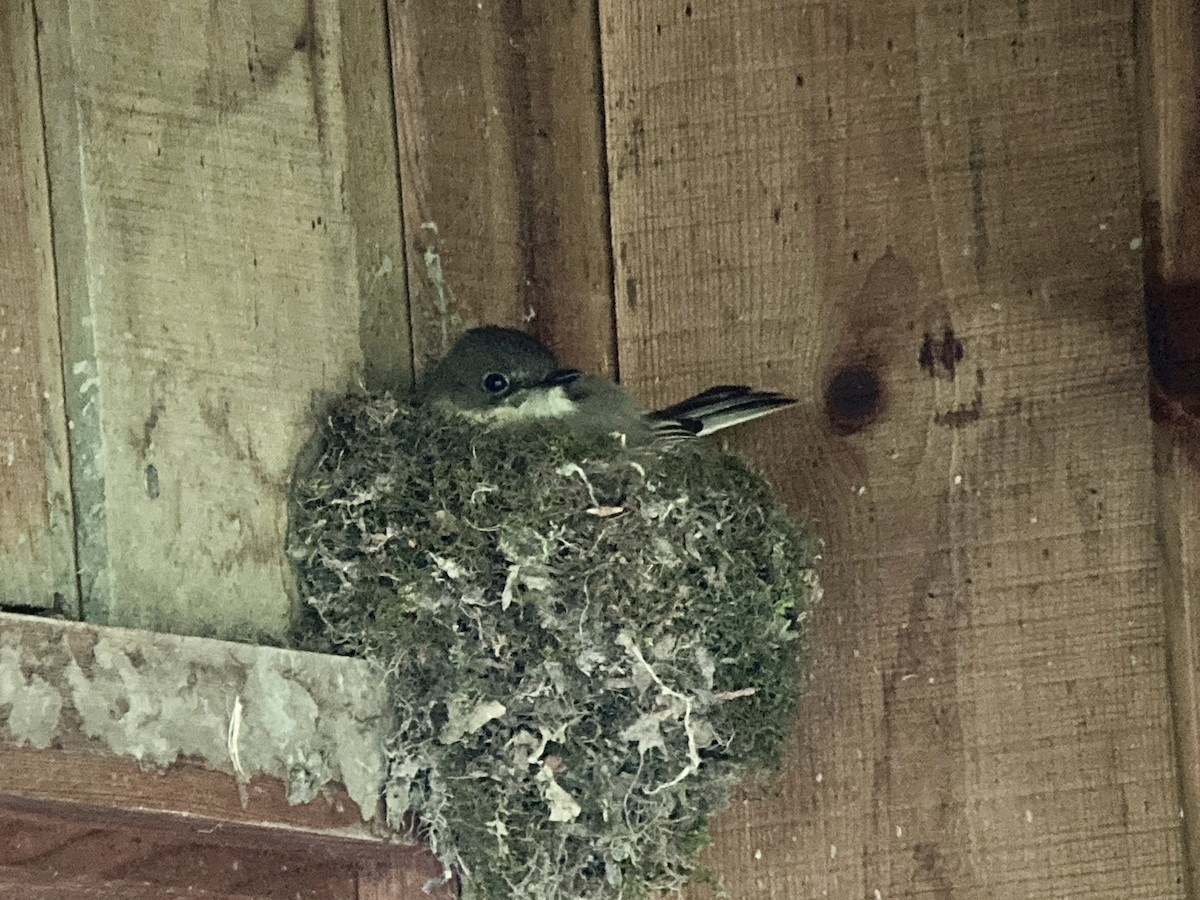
(36, 546)
(924, 219)
(226, 212)
(1169, 34)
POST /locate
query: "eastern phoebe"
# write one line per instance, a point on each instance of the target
(499, 375)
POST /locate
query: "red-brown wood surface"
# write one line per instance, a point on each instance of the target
(60, 850)
(22, 885)
(47, 850)
(69, 850)
(103, 782)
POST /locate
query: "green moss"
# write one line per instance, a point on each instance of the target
(587, 646)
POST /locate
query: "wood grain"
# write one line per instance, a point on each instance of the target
(115, 767)
(227, 241)
(109, 787)
(371, 192)
(499, 124)
(392, 882)
(85, 710)
(18, 885)
(1169, 45)
(127, 855)
(36, 550)
(922, 219)
(41, 853)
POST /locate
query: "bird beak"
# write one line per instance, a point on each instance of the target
(560, 378)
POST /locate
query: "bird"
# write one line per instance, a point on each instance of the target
(501, 376)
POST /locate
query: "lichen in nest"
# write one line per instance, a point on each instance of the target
(588, 646)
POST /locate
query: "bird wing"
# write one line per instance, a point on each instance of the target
(714, 409)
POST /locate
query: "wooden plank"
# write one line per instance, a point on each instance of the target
(1169, 44)
(499, 125)
(921, 219)
(65, 818)
(117, 762)
(566, 184)
(404, 882)
(226, 250)
(372, 192)
(104, 859)
(119, 853)
(85, 783)
(36, 550)
(89, 697)
(21, 886)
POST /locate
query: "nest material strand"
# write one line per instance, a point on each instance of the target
(587, 646)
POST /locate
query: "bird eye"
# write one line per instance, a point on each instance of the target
(495, 383)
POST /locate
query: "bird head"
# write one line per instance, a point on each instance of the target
(491, 368)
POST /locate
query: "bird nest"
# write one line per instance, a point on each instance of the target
(587, 646)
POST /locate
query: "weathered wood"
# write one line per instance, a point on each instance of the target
(36, 551)
(923, 220)
(499, 125)
(116, 765)
(452, 69)
(227, 238)
(86, 712)
(106, 859)
(392, 882)
(83, 783)
(566, 184)
(1169, 42)
(18, 885)
(81, 850)
(372, 193)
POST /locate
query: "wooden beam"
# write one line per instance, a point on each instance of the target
(499, 122)
(228, 245)
(19, 885)
(115, 769)
(1169, 44)
(130, 721)
(84, 785)
(36, 542)
(85, 849)
(392, 882)
(923, 220)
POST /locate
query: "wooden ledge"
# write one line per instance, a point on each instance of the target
(120, 773)
(123, 720)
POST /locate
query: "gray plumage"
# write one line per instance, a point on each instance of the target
(500, 375)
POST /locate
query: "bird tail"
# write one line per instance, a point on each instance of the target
(717, 408)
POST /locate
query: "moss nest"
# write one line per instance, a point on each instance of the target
(587, 646)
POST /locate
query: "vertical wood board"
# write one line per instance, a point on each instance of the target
(226, 251)
(923, 220)
(498, 117)
(1169, 48)
(36, 551)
